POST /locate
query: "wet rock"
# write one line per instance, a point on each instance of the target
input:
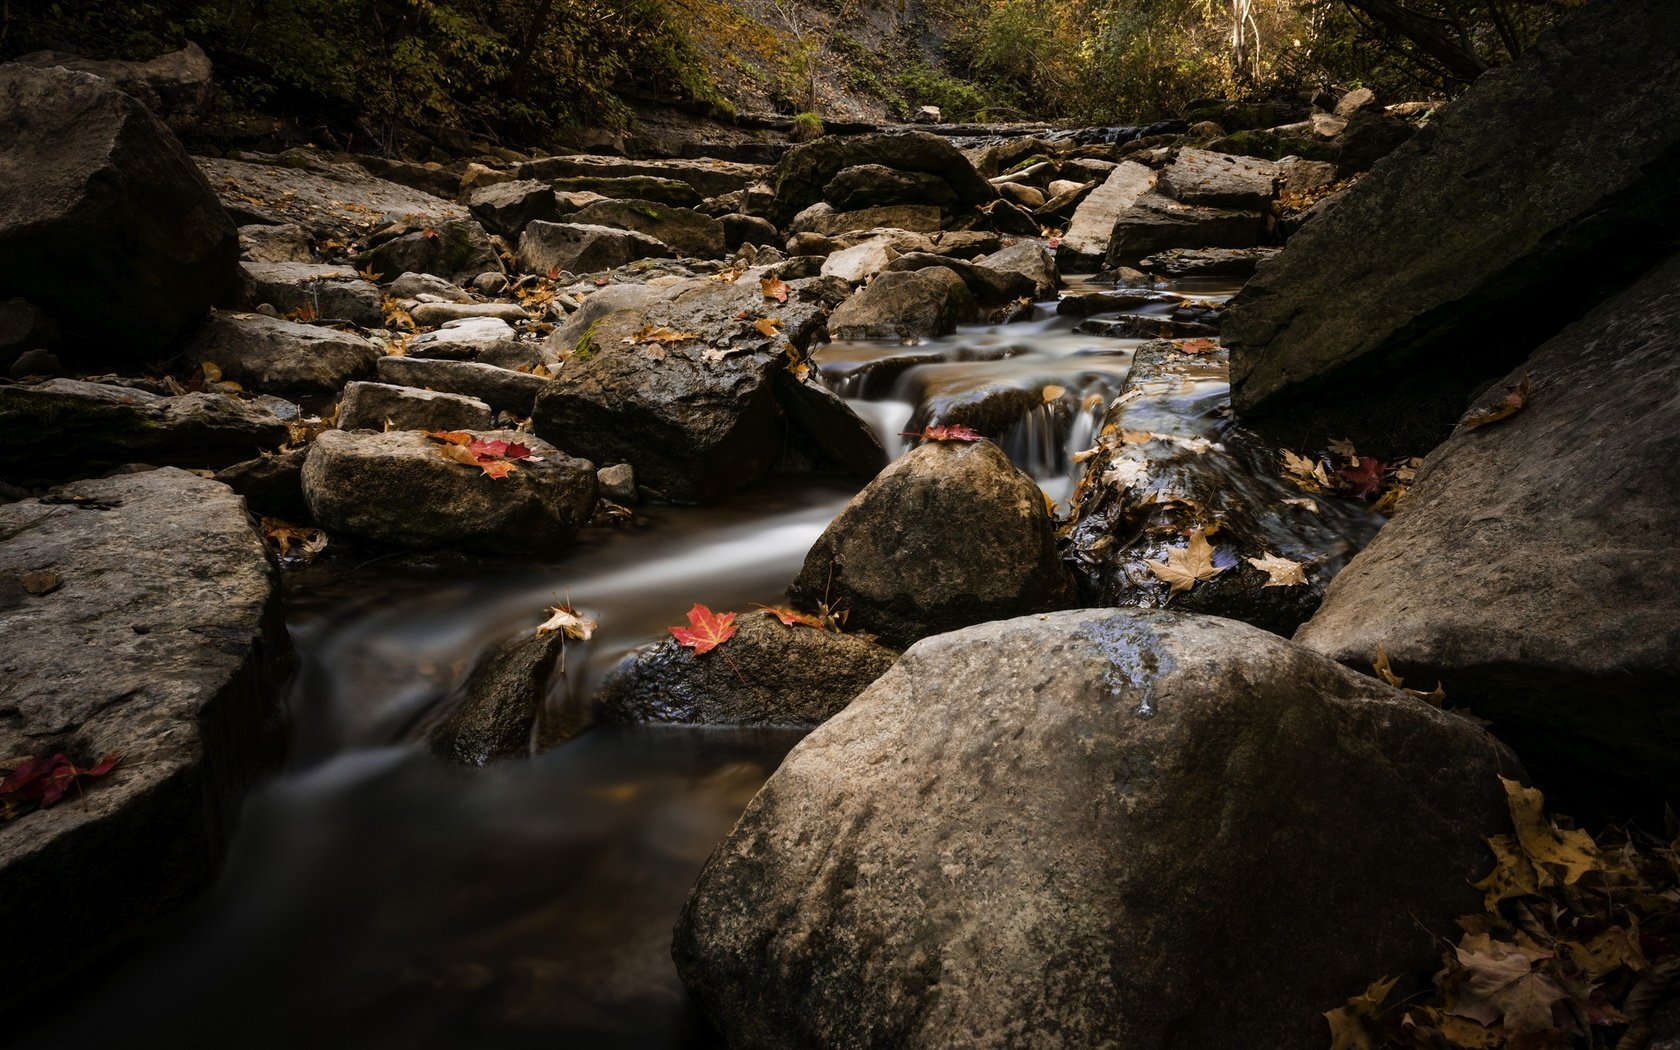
(314, 290)
(1145, 326)
(905, 305)
(1156, 223)
(328, 200)
(495, 714)
(64, 428)
(995, 844)
(767, 674)
(871, 185)
(670, 192)
(163, 643)
(487, 340)
(503, 389)
(272, 484)
(803, 175)
(684, 229)
(285, 243)
(617, 483)
(1459, 286)
(546, 247)
(1085, 244)
(989, 287)
(457, 249)
(382, 406)
(1206, 262)
(281, 357)
(86, 163)
(992, 409)
(950, 534)
(1084, 304)
(696, 418)
(829, 423)
(506, 208)
(748, 229)
(1243, 116)
(175, 87)
(1217, 180)
(397, 488)
(1532, 569)
(432, 289)
(1170, 464)
(1026, 262)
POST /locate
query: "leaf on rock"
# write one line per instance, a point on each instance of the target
(1506, 407)
(1196, 346)
(1280, 571)
(44, 779)
(941, 432)
(1185, 567)
(773, 288)
(793, 617)
(1381, 666)
(767, 326)
(706, 630)
(569, 622)
(1512, 875)
(1124, 473)
(1351, 1026)
(661, 334)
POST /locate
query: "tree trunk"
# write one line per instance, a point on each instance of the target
(1459, 61)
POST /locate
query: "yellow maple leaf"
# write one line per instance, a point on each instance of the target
(767, 325)
(1187, 566)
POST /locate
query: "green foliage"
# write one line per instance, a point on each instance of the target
(806, 127)
(957, 99)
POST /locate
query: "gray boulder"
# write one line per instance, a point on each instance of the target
(767, 674)
(1029, 833)
(1533, 571)
(748, 229)
(398, 488)
(428, 290)
(329, 200)
(674, 193)
(1206, 262)
(506, 208)
(1219, 180)
(376, 406)
(1155, 223)
(175, 86)
(163, 642)
(803, 175)
(428, 313)
(549, 247)
(64, 428)
(503, 389)
(869, 185)
(1026, 263)
(684, 229)
(822, 219)
(950, 534)
(457, 249)
(708, 177)
(905, 305)
(87, 166)
(1085, 244)
(1425, 282)
(497, 710)
(488, 340)
(317, 290)
(273, 356)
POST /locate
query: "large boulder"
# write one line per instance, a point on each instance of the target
(678, 381)
(684, 229)
(176, 86)
(907, 304)
(282, 357)
(556, 247)
(1218, 180)
(95, 193)
(804, 175)
(398, 488)
(767, 674)
(329, 200)
(1085, 245)
(1084, 829)
(1433, 275)
(159, 637)
(487, 340)
(506, 208)
(1535, 571)
(65, 428)
(1156, 222)
(708, 177)
(950, 534)
(869, 185)
(456, 249)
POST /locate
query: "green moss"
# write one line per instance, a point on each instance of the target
(585, 348)
(648, 211)
(457, 247)
(1036, 158)
(806, 127)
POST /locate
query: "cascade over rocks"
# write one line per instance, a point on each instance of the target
(163, 642)
(1425, 281)
(65, 428)
(87, 166)
(950, 534)
(397, 488)
(1031, 832)
(773, 675)
(1533, 570)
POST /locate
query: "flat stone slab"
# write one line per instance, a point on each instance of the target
(161, 642)
(503, 389)
(1086, 241)
(381, 406)
(318, 290)
(274, 356)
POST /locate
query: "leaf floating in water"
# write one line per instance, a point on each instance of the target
(1505, 408)
(706, 630)
(293, 541)
(1187, 566)
(1280, 571)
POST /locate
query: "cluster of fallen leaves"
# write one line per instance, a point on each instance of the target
(941, 432)
(1196, 562)
(293, 543)
(1342, 471)
(39, 781)
(1579, 940)
(495, 457)
(707, 630)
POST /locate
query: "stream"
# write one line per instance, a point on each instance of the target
(378, 897)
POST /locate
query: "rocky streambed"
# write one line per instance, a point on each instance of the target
(1050, 589)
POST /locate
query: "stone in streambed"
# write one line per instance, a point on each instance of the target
(684, 229)
(1030, 833)
(287, 358)
(283, 243)
(767, 674)
(506, 208)
(905, 305)
(503, 389)
(873, 185)
(163, 643)
(547, 247)
(1084, 246)
(453, 249)
(272, 484)
(950, 534)
(804, 174)
(397, 488)
(1156, 223)
(382, 406)
(316, 290)
(493, 717)
(487, 340)
(65, 428)
(1534, 569)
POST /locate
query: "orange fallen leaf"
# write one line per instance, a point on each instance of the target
(1505, 408)
(706, 631)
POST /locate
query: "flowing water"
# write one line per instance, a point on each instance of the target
(375, 896)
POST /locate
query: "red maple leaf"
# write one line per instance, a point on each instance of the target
(1363, 476)
(706, 630)
(946, 433)
(45, 779)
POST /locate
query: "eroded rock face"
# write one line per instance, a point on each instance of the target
(397, 488)
(1029, 833)
(780, 676)
(1424, 281)
(1533, 570)
(66, 428)
(163, 641)
(950, 534)
(86, 166)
